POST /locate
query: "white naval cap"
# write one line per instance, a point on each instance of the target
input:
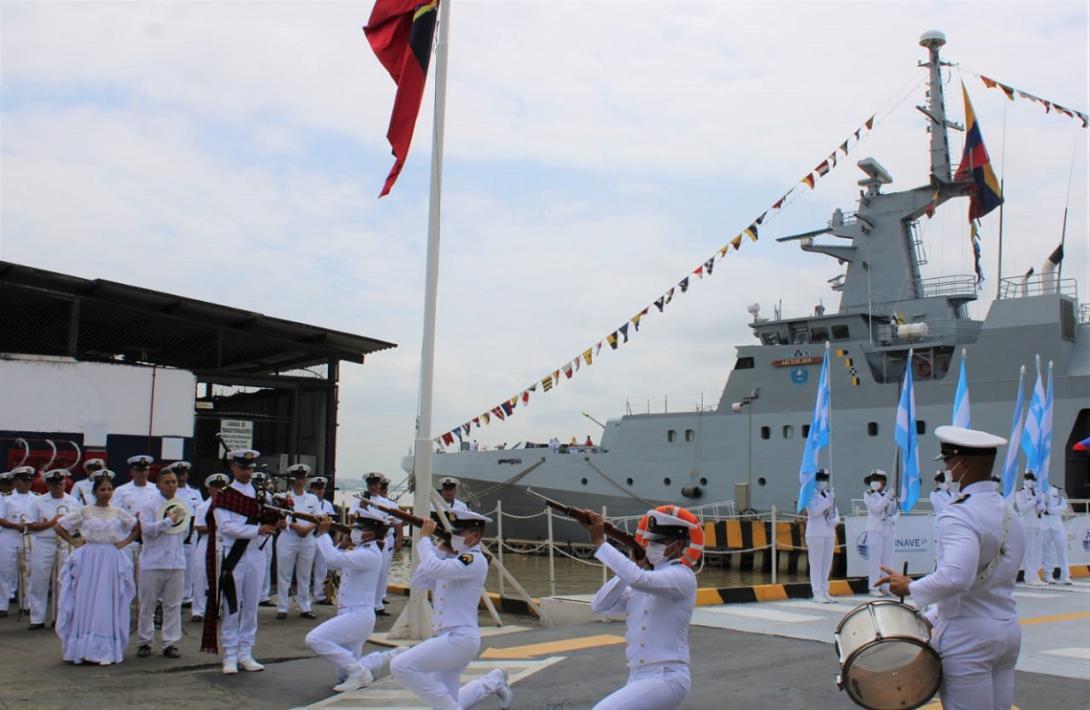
(318, 481)
(449, 482)
(299, 470)
(26, 472)
(185, 465)
(246, 458)
(221, 479)
(385, 479)
(103, 473)
(6, 475)
(466, 519)
(57, 474)
(959, 441)
(139, 461)
(662, 526)
(93, 465)
(372, 514)
(373, 476)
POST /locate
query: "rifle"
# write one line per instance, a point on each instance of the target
(405, 517)
(307, 517)
(580, 516)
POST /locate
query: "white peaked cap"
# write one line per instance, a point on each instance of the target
(667, 520)
(957, 440)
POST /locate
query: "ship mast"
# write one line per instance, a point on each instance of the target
(935, 110)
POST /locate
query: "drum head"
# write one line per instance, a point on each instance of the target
(893, 674)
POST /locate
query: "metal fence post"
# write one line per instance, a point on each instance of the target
(499, 538)
(775, 562)
(552, 563)
(605, 570)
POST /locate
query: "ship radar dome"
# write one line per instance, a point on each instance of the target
(932, 37)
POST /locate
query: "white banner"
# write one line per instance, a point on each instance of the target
(912, 544)
(237, 433)
(1078, 540)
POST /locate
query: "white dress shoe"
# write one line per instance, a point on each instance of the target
(230, 666)
(875, 593)
(357, 679)
(249, 664)
(503, 691)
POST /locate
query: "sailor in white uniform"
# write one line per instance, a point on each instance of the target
(392, 541)
(296, 548)
(881, 528)
(15, 540)
(162, 566)
(658, 597)
(1055, 537)
(192, 499)
(44, 560)
(214, 483)
(432, 669)
(1029, 503)
(822, 517)
(359, 559)
(321, 571)
(132, 496)
(977, 632)
(81, 489)
(448, 490)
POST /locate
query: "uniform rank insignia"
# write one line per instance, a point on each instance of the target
(466, 559)
(962, 499)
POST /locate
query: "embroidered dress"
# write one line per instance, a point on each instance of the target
(97, 587)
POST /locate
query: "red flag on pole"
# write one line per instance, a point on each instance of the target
(401, 33)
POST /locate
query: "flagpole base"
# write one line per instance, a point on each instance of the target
(414, 621)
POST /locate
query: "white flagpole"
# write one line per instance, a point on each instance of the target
(415, 620)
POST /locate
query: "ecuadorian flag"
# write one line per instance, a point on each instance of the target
(976, 166)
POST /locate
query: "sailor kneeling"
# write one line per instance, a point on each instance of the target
(659, 603)
(359, 558)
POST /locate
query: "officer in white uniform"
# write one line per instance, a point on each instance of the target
(340, 639)
(392, 540)
(432, 669)
(317, 487)
(239, 631)
(977, 632)
(448, 490)
(81, 489)
(881, 528)
(7, 483)
(15, 540)
(261, 480)
(44, 560)
(822, 517)
(192, 498)
(162, 567)
(296, 548)
(132, 496)
(1030, 504)
(1055, 537)
(658, 597)
(214, 483)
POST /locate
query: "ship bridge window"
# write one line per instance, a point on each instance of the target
(799, 334)
(1067, 319)
(921, 427)
(744, 363)
(872, 428)
(671, 435)
(690, 435)
(766, 432)
(819, 335)
(788, 431)
(840, 332)
(805, 431)
(772, 338)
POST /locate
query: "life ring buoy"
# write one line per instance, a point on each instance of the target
(923, 369)
(695, 550)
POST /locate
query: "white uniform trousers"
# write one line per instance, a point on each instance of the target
(294, 554)
(266, 580)
(340, 640)
(978, 657)
(1031, 559)
(187, 584)
(10, 543)
(199, 576)
(433, 669)
(1054, 552)
(656, 687)
(819, 549)
(879, 554)
(165, 585)
(320, 572)
(238, 631)
(383, 575)
(43, 572)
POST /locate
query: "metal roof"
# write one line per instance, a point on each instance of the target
(49, 313)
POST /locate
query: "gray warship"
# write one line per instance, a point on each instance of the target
(747, 449)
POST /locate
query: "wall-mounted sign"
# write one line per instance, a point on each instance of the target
(237, 433)
(796, 361)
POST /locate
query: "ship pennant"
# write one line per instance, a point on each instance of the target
(1011, 92)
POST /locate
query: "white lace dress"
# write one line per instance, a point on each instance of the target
(97, 587)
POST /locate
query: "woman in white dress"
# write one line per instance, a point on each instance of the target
(96, 582)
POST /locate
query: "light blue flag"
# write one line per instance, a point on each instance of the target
(1031, 430)
(1044, 448)
(817, 438)
(1010, 467)
(904, 433)
(961, 398)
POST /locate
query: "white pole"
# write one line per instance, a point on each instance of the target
(499, 538)
(415, 621)
(775, 562)
(605, 570)
(552, 565)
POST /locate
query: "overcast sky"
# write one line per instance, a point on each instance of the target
(597, 152)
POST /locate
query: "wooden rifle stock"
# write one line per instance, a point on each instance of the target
(580, 516)
(339, 527)
(407, 517)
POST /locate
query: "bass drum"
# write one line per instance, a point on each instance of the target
(886, 660)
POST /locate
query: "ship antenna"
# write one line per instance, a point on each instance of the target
(933, 40)
(1067, 201)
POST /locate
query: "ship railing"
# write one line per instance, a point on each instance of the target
(958, 330)
(922, 507)
(1037, 285)
(960, 285)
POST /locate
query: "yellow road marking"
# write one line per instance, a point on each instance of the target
(553, 647)
(769, 592)
(1050, 618)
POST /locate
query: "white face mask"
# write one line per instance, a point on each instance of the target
(458, 542)
(875, 485)
(1028, 485)
(656, 553)
(823, 485)
(356, 536)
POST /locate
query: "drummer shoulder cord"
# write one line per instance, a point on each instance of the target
(989, 568)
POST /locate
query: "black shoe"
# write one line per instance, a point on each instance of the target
(171, 652)
(143, 651)
(187, 605)
(325, 602)
(3, 613)
(35, 627)
(381, 612)
(197, 617)
(281, 615)
(308, 615)
(267, 602)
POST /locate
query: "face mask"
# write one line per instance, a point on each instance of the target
(875, 485)
(823, 485)
(1028, 485)
(356, 536)
(656, 553)
(458, 542)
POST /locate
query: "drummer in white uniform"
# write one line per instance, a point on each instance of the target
(976, 631)
(821, 520)
(658, 596)
(881, 528)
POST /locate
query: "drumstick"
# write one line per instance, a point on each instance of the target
(904, 571)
